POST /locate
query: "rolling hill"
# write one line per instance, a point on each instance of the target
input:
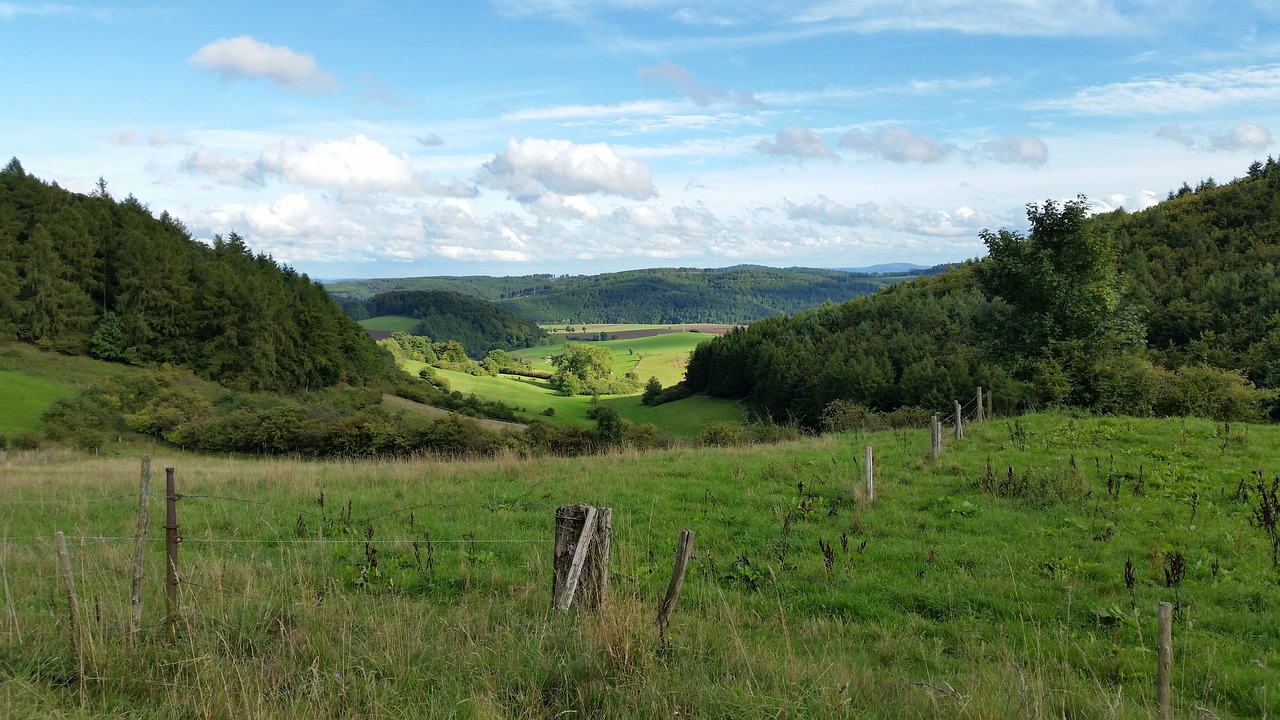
(659, 296)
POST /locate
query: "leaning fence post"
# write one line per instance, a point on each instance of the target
(683, 551)
(171, 541)
(568, 565)
(871, 482)
(598, 566)
(139, 543)
(73, 603)
(1164, 655)
(959, 422)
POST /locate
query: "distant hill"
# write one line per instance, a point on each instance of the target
(662, 296)
(90, 275)
(1168, 311)
(884, 268)
(478, 325)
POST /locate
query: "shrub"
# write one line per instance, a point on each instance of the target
(721, 434)
(1209, 392)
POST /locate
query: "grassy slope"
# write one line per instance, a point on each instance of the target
(25, 398)
(661, 356)
(684, 418)
(949, 602)
(391, 323)
(33, 379)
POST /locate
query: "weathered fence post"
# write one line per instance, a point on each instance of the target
(935, 436)
(1164, 655)
(871, 475)
(977, 410)
(171, 541)
(683, 551)
(959, 422)
(598, 566)
(581, 555)
(139, 544)
(73, 603)
(990, 415)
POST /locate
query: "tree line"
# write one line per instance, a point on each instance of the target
(477, 325)
(1169, 311)
(89, 274)
(659, 296)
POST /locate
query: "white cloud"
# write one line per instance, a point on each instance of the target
(1182, 93)
(245, 57)
(1015, 149)
(990, 17)
(532, 167)
(225, 170)
(579, 112)
(1245, 136)
(805, 18)
(897, 145)
(796, 141)
(355, 164)
(701, 94)
(963, 221)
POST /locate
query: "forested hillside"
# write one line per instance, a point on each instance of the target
(661, 296)
(1174, 310)
(479, 326)
(87, 274)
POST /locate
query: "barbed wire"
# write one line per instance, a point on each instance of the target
(356, 541)
(82, 540)
(246, 500)
(109, 498)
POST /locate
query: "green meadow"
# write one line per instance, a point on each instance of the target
(391, 323)
(24, 398)
(1016, 576)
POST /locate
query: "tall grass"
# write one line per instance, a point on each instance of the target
(947, 598)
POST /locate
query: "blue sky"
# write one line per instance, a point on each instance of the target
(358, 138)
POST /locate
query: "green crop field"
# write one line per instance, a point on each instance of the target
(1016, 576)
(391, 323)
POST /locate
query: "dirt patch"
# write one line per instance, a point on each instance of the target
(707, 328)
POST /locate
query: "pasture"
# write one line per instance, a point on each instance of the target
(24, 398)
(391, 323)
(1016, 576)
(682, 419)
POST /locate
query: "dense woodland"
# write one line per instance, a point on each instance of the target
(660, 296)
(477, 325)
(89, 274)
(1171, 311)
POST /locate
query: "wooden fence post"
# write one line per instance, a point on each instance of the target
(935, 436)
(959, 422)
(684, 549)
(598, 566)
(990, 415)
(581, 558)
(139, 544)
(171, 541)
(73, 603)
(977, 410)
(871, 475)
(1164, 654)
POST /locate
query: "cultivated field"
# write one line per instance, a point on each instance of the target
(1016, 576)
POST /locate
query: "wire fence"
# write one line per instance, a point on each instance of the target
(257, 552)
